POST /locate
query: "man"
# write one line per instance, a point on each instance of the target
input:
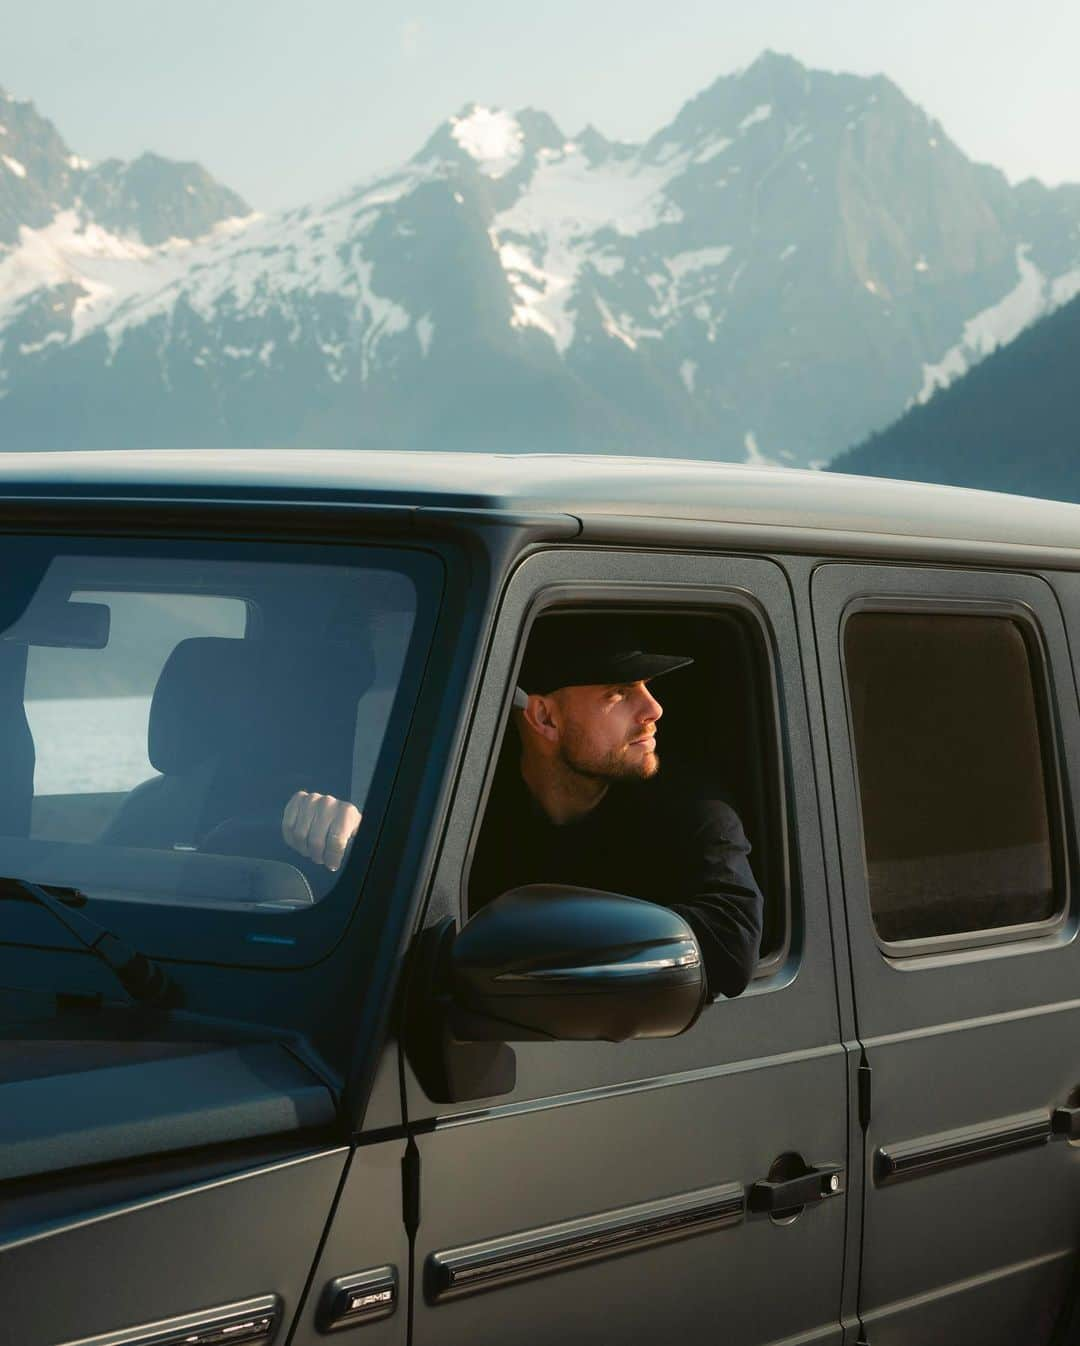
(584, 802)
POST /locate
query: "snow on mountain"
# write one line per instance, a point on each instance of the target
(244, 266)
(573, 215)
(761, 113)
(493, 138)
(150, 200)
(110, 272)
(1033, 296)
(251, 265)
(783, 268)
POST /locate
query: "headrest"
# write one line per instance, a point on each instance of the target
(197, 699)
(270, 701)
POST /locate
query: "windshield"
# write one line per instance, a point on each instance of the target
(161, 713)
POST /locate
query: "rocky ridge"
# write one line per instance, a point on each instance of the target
(778, 272)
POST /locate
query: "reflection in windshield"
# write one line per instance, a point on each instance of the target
(158, 713)
(111, 733)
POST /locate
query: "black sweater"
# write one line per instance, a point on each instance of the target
(657, 839)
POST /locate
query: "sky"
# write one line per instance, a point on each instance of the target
(287, 102)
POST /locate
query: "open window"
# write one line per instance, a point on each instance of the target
(719, 730)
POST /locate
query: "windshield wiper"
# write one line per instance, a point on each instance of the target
(144, 980)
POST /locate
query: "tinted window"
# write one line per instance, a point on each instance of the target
(951, 773)
(159, 711)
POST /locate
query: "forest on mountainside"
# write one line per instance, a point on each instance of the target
(1011, 424)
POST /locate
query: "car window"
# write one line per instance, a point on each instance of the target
(159, 712)
(953, 769)
(716, 740)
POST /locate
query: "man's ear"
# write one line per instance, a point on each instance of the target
(537, 714)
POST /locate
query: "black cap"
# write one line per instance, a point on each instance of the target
(583, 650)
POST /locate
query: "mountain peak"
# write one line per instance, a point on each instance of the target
(774, 274)
(152, 198)
(156, 199)
(773, 63)
(540, 130)
(37, 170)
(489, 138)
(493, 141)
(597, 148)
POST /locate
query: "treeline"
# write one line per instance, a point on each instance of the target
(1011, 424)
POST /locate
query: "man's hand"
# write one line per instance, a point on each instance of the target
(320, 827)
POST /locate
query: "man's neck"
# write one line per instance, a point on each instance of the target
(565, 795)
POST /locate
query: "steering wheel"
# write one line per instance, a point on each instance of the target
(258, 836)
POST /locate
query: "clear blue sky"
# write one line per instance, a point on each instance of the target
(286, 101)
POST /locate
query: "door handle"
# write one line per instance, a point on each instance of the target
(1065, 1123)
(816, 1184)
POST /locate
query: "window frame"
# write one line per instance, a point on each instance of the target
(791, 1016)
(900, 952)
(661, 601)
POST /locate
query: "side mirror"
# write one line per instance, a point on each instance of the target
(552, 962)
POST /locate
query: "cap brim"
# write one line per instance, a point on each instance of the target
(606, 670)
(641, 666)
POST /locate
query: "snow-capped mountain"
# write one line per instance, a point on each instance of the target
(151, 200)
(781, 270)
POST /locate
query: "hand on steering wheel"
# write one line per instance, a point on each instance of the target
(320, 827)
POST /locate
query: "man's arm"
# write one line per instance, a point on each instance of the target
(724, 907)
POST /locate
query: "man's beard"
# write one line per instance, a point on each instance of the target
(616, 765)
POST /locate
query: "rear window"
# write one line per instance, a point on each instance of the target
(159, 714)
(954, 770)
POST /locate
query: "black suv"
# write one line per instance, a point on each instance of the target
(248, 1098)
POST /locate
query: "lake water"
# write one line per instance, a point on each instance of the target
(97, 745)
(89, 746)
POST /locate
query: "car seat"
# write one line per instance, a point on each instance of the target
(236, 726)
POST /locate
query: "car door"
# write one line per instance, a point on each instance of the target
(953, 731)
(606, 1195)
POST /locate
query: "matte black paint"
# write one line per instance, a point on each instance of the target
(569, 964)
(590, 1129)
(119, 1268)
(840, 1046)
(52, 1120)
(959, 1038)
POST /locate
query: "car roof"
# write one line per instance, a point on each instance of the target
(579, 485)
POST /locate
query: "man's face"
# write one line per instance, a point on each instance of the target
(609, 733)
